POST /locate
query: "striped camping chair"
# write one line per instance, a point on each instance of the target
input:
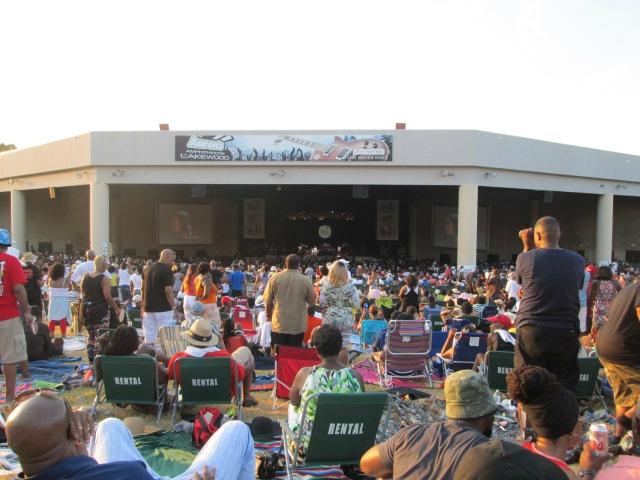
(406, 351)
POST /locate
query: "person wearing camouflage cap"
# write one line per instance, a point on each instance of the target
(434, 451)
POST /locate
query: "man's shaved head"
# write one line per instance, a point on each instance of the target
(37, 431)
(547, 232)
(90, 254)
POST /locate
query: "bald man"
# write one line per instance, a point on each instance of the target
(547, 321)
(158, 299)
(84, 268)
(49, 441)
(58, 452)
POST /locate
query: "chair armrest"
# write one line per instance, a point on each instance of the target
(286, 429)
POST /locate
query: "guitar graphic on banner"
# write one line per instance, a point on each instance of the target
(342, 150)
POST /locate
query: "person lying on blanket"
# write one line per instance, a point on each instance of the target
(330, 376)
(58, 449)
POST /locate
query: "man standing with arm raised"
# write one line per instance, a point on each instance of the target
(158, 299)
(547, 321)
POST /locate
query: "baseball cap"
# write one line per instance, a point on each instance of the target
(224, 300)
(507, 461)
(197, 308)
(467, 395)
(5, 237)
(502, 319)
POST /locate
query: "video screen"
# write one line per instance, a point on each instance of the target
(180, 224)
(445, 227)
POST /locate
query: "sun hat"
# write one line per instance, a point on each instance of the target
(505, 460)
(136, 298)
(273, 268)
(467, 396)
(457, 313)
(259, 301)
(502, 319)
(200, 334)
(455, 290)
(197, 308)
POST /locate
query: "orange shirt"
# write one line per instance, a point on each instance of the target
(188, 286)
(199, 289)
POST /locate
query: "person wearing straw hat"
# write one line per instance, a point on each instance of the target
(202, 341)
(435, 450)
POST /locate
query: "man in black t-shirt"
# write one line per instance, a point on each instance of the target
(618, 346)
(158, 299)
(547, 320)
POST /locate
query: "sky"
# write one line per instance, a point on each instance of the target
(564, 71)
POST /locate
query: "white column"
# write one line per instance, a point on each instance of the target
(99, 217)
(18, 220)
(467, 225)
(604, 229)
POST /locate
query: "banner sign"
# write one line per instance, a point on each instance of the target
(254, 218)
(388, 220)
(283, 148)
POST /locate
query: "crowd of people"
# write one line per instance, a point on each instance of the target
(548, 308)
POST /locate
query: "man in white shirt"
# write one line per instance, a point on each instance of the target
(513, 288)
(84, 268)
(124, 279)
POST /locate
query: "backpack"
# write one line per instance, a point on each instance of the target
(206, 423)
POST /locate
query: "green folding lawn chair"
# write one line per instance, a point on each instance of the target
(588, 385)
(344, 428)
(205, 381)
(128, 379)
(437, 324)
(497, 366)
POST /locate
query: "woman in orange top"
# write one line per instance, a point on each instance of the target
(189, 291)
(207, 294)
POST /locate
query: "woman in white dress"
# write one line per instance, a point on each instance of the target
(59, 310)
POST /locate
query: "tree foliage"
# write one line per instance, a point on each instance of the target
(5, 147)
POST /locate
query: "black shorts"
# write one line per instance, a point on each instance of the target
(552, 348)
(289, 339)
(236, 293)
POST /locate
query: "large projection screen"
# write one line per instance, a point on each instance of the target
(445, 227)
(184, 224)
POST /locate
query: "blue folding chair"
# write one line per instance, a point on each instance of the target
(369, 330)
(437, 341)
(466, 347)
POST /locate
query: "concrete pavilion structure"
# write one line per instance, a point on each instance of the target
(103, 190)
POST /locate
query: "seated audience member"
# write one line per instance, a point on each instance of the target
(58, 450)
(478, 305)
(39, 344)
(467, 308)
(499, 338)
(230, 330)
(434, 451)
(504, 460)
(450, 342)
(203, 342)
(381, 338)
(330, 376)
(552, 412)
(314, 319)
(125, 341)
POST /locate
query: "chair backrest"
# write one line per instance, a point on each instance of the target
(369, 329)
(242, 315)
(344, 427)
(466, 349)
(459, 323)
(437, 323)
(129, 379)
(489, 311)
(235, 342)
(588, 369)
(312, 322)
(289, 361)
(407, 345)
(498, 365)
(134, 316)
(437, 342)
(170, 340)
(243, 302)
(109, 331)
(205, 380)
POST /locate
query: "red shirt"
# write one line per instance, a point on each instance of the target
(559, 463)
(11, 274)
(219, 353)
